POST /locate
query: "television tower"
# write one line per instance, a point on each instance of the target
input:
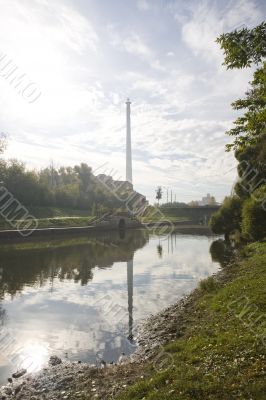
(128, 145)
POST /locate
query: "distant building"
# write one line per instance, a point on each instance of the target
(119, 185)
(133, 200)
(208, 201)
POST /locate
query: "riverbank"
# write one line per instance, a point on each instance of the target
(212, 342)
(14, 235)
(52, 217)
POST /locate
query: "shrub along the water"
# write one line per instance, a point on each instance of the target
(254, 215)
(227, 218)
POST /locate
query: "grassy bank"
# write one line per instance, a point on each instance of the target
(58, 222)
(160, 219)
(220, 353)
(51, 217)
(54, 212)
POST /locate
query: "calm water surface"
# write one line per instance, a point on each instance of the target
(84, 299)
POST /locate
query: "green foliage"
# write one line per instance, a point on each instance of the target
(65, 187)
(251, 168)
(250, 128)
(244, 46)
(60, 222)
(208, 285)
(254, 215)
(227, 219)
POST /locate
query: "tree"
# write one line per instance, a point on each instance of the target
(254, 215)
(159, 193)
(193, 203)
(251, 168)
(213, 201)
(243, 48)
(227, 218)
(251, 126)
(64, 187)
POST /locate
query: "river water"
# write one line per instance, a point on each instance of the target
(83, 298)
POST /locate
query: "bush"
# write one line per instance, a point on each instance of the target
(254, 215)
(208, 285)
(228, 218)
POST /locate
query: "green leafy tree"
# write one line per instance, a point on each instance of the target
(227, 218)
(251, 168)
(244, 48)
(63, 187)
(251, 126)
(254, 215)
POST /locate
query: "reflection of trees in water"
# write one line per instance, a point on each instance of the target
(31, 267)
(3, 316)
(221, 251)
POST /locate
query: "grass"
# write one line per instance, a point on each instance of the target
(52, 217)
(162, 218)
(54, 212)
(221, 354)
(57, 222)
(61, 222)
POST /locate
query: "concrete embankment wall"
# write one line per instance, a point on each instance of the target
(158, 227)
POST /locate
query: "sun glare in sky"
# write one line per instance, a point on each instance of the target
(85, 58)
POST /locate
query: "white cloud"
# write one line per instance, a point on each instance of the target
(143, 5)
(133, 44)
(206, 22)
(180, 93)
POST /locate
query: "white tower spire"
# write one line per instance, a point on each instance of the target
(129, 156)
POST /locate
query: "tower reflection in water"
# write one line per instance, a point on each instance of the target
(92, 280)
(130, 298)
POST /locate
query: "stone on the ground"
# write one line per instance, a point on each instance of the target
(54, 360)
(19, 373)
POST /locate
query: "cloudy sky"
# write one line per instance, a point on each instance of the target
(87, 56)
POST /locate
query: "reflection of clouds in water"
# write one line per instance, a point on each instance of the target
(83, 320)
(173, 276)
